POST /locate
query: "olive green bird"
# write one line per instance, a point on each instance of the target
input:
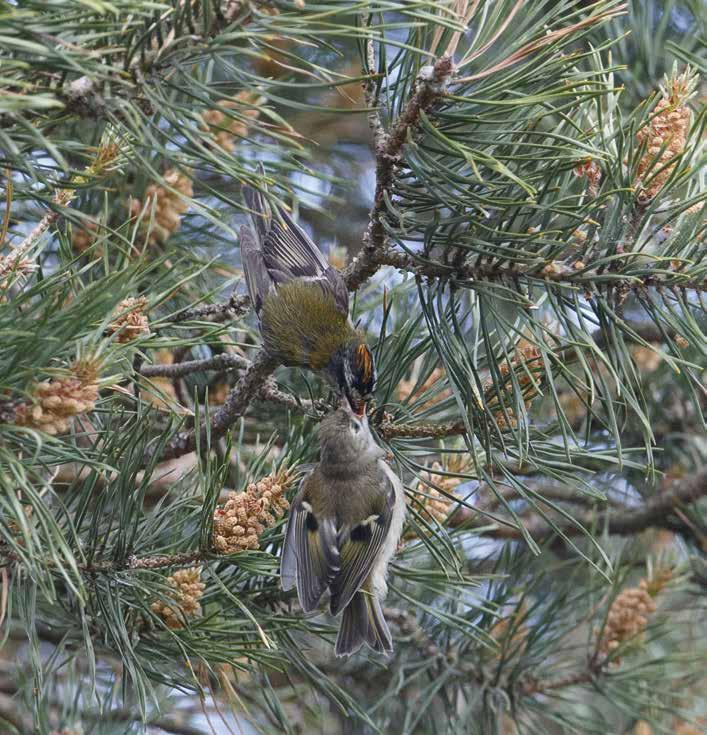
(302, 302)
(343, 529)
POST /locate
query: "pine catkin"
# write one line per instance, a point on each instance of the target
(53, 403)
(239, 523)
(169, 205)
(629, 613)
(665, 134)
(130, 320)
(434, 504)
(511, 633)
(686, 728)
(431, 503)
(590, 170)
(406, 389)
(526, 363)
(642, 728)
(83, 237)
(223, 129)
(185, 596)
(160, 392)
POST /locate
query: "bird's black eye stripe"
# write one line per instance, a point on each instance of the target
(311, 522)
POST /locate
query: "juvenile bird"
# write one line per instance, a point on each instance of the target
(302, 302)
(343, 529)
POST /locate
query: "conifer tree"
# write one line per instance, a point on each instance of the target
(514, 192)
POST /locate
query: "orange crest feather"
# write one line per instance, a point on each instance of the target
(364, 363)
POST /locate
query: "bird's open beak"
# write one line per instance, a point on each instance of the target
(354, 406)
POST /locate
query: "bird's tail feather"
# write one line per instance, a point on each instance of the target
(362, 622)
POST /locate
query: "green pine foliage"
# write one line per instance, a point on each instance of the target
(518, 190)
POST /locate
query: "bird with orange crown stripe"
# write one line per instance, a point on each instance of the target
(302, 302)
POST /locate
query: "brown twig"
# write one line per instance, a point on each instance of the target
(225, 361)
(363, 267)
(141, 563)
(235, 405)
(388, 430)
(235, 307)
(656, 512)
(430, 88)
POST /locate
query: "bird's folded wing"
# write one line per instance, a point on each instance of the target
(279, 250)
(359, 547)
(257, 277)
(310, 557)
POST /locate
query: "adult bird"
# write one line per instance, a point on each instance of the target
(343, 529)
(302, 302)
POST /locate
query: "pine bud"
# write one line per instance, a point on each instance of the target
(239, 523)
(13, 263)
(186, 592)
(53, 403)
(130, 320)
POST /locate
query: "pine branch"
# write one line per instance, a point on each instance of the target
(270, 392)
(654, 513)
(532, 686)
(389, 430)
(236, 404)
(369, 261)
(139, 563)
(235, 307)
(431, 86)
(225, 361)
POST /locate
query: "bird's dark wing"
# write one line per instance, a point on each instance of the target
(359, 546)
(289, 253)
(257, 277)
(310, 557)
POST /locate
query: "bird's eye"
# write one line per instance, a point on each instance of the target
(355, 427)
